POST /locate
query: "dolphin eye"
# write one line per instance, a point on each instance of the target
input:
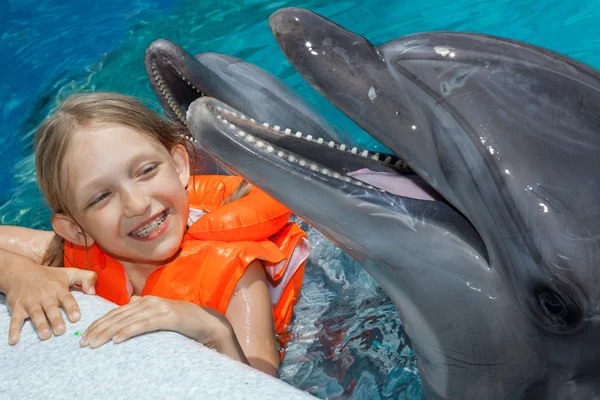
(558, 311)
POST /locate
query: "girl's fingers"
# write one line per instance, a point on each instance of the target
(114, 313)
(69, 304)
(39, 321)
(54, 315)
(102, 330)
(137, 327)
(16, 324)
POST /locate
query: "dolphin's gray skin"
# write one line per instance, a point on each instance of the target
(178, 78)
(498, 286)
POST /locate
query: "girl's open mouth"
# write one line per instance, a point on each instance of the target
(152, 229)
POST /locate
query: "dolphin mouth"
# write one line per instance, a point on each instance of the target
(165, 67)
(274, 157)
(334, 163)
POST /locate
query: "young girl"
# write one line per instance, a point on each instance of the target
(115, 176)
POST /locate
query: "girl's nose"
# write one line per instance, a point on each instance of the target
(135, 201)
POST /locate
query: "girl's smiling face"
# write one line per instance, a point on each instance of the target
(127, 192)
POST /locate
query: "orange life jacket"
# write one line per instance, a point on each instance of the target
(215, 252)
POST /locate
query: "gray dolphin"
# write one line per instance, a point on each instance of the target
(178, 78)
(496, 275)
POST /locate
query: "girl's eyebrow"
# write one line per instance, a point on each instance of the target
(132, 162)
(83, 189)
(138, 158)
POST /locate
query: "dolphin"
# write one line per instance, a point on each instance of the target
(495, 274)
(178, 78)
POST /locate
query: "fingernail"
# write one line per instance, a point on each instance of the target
(75, 314)
(44, 333)
(13, 340)
(116, 339)
(60, 329)
(83, 342)
(92, 290)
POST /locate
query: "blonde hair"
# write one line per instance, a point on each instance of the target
(53, 138)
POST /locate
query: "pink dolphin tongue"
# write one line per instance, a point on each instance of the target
(393, 183)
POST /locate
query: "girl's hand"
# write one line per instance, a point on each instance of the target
(150, 313)
(36, 291)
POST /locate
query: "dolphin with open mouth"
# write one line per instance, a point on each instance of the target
(178, 78)
(487, 235)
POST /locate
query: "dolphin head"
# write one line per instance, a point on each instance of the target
(495, 276)
(178, 78)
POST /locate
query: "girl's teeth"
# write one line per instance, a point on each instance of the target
(151, 227)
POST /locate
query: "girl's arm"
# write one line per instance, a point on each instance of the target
(245, 334)
(27, 242)
(250, 313)
(35, 291)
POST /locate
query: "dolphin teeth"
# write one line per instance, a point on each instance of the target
(342, 147)
(260, 144)
(347, 179)
(232, 126)
(320, 140)
(313, 167)
(388, 160)
(252, 119)
(270, 149)
(242, 133)
(376, 156)
(280, 154)
(309, 137)
(398, 164)
(325, 171)
(336, 175)
(354, 150)
(249, 138)
(243, 116)
(266, 125)
(331, 144)
(364, 153)
(302, 163)
(277, 128)
(288, 131)
(298, 134)
(291, 158)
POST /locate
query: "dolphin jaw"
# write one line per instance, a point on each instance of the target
(228, 118)
(234, 127)
(169, 82)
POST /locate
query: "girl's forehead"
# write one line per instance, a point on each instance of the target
(122, 137)
(97, 151)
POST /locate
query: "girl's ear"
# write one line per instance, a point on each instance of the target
(181, 159)
(66, 227)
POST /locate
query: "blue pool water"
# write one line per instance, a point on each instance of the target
(347, 340)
